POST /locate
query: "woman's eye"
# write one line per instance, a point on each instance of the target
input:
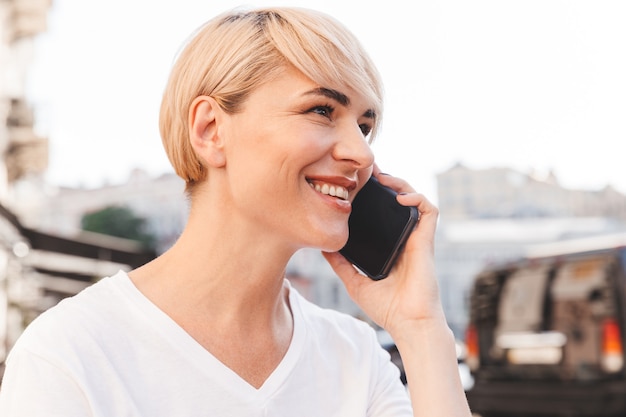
(325, 111)
(365, 129)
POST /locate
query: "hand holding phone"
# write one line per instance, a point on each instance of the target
(379, 227)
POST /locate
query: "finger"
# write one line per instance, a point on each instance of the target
(397, 184)
(429, 214)
(418, 200)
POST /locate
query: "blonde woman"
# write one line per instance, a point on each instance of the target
(262, 106)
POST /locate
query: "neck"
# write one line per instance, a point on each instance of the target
(223, 283)
(228, 272)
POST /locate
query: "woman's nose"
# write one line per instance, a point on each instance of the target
(353, 146)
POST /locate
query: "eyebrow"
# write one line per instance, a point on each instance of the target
(330, 93)
(340, 98)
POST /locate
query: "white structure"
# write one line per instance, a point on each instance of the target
(161, 201)
(464, 193)
(25, 155)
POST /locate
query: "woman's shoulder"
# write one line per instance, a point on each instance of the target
(65, 322)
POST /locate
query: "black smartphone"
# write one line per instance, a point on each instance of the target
(379, 226)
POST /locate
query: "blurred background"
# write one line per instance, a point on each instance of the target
(509, 115)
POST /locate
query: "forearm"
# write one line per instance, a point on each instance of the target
(428, 354)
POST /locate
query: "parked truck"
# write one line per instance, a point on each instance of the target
(546, 332)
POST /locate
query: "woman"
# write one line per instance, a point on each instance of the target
(265, 112)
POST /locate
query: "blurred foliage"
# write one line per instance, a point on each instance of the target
(119, 222)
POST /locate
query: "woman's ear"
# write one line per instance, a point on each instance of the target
(204, 116)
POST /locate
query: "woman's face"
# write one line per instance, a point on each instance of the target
(296, 155)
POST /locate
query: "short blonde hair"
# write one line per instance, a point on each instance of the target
(232, 54)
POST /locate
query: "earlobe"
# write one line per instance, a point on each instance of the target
(203, 131)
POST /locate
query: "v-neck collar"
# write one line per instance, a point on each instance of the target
(216, 371)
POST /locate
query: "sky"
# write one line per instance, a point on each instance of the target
(533, 85)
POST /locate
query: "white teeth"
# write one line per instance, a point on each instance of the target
(332, 190)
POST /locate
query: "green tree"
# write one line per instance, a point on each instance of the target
(120, 222)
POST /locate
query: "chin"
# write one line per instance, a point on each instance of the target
(334, 244)
(328, 239)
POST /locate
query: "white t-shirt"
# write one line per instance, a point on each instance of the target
(109, 351)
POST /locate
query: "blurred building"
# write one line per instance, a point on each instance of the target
(160, 200)
(24, 153)
(37, 268)
(465, 193)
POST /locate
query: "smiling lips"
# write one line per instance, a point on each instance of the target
(332, 190)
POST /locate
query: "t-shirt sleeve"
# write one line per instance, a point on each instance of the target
(34, 387)
(389, 396)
